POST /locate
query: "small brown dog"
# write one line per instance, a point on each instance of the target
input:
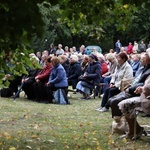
(119, 125)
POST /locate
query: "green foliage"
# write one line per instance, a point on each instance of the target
(19, 21)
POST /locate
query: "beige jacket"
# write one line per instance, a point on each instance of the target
(125, 72)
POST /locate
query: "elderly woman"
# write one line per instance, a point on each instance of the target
(112, 65)
(128, 107)
(74, 71)
(122, 71)
(57, 79)
(91, 76)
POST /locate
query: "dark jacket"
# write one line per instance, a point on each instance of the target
(32, 73)
(93, 72)
(74, 71)
(145, 74)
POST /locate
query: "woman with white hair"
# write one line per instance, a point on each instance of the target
(111, 58)
(74, 71)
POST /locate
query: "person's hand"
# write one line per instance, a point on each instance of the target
(48, 83)
(85, 75)
(138, 90)
(25, 80)
(36, 77)
(37, 80)
(104, 75)
(112, 85)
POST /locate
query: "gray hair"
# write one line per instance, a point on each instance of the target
(74, 57)
(110, 56)
(148, 52)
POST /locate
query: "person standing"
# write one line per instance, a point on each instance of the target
(118, 45)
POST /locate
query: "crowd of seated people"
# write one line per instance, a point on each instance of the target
(81, 72)
(122, 71)
(135, 95)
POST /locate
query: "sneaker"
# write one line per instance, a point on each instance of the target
(68, 95)
(102, 95)
(104, 109)
(92, 95)
(98, 109)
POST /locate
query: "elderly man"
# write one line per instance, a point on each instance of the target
(129, 92)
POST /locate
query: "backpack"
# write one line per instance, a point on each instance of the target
(6, 92)
(60, 97)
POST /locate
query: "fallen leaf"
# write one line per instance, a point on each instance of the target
(12, 148)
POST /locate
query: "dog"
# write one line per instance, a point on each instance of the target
(119, 125)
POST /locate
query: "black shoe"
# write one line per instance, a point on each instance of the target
(145, 115)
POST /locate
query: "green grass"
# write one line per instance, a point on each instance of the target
(29, 125)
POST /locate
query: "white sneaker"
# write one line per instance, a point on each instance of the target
(92, 95)
(102, 95)
(98, 109)
(68, 95)
(104, 109)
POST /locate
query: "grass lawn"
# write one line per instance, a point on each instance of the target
(29, 125)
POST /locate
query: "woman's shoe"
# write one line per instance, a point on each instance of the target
(138, 136)
(127, 136)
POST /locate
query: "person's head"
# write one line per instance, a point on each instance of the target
(82, 48)
(48, 61)
(51, 46)
(45, 52)
(74, 48)
(62, 58)
(111, 51)
(136, 57)
(38, 54)
(59, 46)
(100, 57)
(145, 59)
(85, 58)
(44, 57)
(92, 58)
(73, 59)
(80, 56)
(122, 49)
(122, 57)
(111, 57)
(55, 61)
(66, 48)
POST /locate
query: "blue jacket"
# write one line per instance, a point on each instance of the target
(58, 76)
(135, 66)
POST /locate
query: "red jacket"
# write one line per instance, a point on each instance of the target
(44, 74)
(104, 67)
(129, 49)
